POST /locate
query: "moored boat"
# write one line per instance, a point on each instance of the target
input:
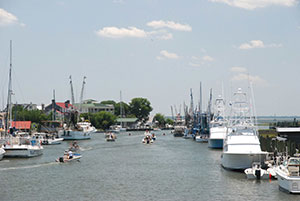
(256, 172)
(288, 175)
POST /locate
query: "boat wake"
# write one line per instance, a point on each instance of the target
(29, 166)
(86, 149)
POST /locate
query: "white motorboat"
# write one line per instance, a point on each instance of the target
(241, 146)
(2, 152)
(87, 127)
(66, 158)
(22, 147)
(110, 137)
(202, 138)
(288, 175)
(147, 138)
(48, 139)
(72, 134)
(256, 172)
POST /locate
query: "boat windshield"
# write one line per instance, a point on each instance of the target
(294, 161)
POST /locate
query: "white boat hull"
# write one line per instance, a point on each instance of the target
(251, 174)
(23, 151)
(288, 183)
(52, 141)
(239, 161)
(75, 135)
(2, 152)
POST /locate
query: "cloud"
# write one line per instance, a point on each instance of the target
(237, 69)
(255, 79)
(7, 18)
(170, 25)
(241, 75)
(257, 44)
(252, 44)
(115, 32)
(253, 4)
(199, 61)
(161, 34)
(164, 54)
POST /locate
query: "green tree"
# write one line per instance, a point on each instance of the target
(103, 120)
(169, 121)
(35, 116)
(126, 109)
(109, 102)
(141, 108)
(160, 119)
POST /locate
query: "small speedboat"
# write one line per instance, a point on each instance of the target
(153, 136)
(147, 140)
(256, 172)
(201, 138)
(65, 158)
(110, 137)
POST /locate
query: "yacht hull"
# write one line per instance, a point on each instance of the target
(75, 135)
(240, 161)
(2, 152)
(215, 143)
(22, 152)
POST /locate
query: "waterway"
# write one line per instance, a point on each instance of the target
(168, 170)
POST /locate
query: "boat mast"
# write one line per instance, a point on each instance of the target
(72, 91)
(121, 109)
(9, 107)
(81, 94)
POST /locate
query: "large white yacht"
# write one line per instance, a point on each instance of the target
(241, 145)
(218, 129)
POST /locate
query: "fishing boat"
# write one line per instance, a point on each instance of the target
(288, 175)
(179, 127)
(256, 172)
(217, 131)
(241, 145)
(68, 157)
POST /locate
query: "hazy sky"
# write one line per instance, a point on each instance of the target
(157, 49)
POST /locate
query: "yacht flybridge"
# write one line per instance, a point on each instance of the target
(241, 145)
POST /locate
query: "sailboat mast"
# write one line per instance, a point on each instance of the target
(9, 108)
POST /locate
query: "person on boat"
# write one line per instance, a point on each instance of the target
(70, 153)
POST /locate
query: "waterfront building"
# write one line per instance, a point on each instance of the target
(291, 133)
(92, 106)
(60, 108)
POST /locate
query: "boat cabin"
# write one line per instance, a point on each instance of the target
(293, 166)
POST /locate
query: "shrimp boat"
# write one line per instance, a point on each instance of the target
(217, 131)
(241, 145)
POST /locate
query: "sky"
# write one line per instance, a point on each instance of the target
(156, 49)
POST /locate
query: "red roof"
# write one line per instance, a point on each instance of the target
(21, 124)
(63, 105)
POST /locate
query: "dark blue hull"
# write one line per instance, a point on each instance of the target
(215, 143)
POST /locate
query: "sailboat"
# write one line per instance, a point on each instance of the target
(217, 131)
(241, 146)
(18, 144)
